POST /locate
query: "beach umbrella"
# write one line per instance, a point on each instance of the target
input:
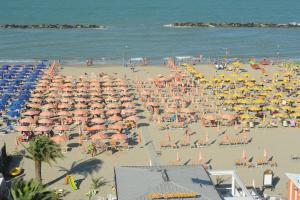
(254, 108)
(97, 128)
(281, 115)
(80, 112)
(99, 136)
(31, 113)
(60, 138)
(22, 128)
(229, 101)
(187, 110)
(119, 136)
(243, 101)
(45, 121)
(115, 119)
(35, 100)
(168, 137)
(200, 157)
(42, 129)
(29, 120)
(125, 99)
(50, 99)
(153, 104)
(112, 106)
(80, 105)
(210, 117)
(170, 110)
(246, 116)
(128, 112)
(61, 128)
(238, 108)
(46, 114)
(128, 104)
(206, 138)
(80, 119)
(65, 100)
(97, 112)
(265, 153)
(64, 105)
(48, 106)
(97, 105)
(98, 120)
(177, 157)
(132, 118)
(286, 107)
(113, 112)
(297, 114)
(34, 105)
(229, 116)
(244, 155)
(270, 107)
(117, 127)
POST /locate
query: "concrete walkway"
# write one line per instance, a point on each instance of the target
(148, 143)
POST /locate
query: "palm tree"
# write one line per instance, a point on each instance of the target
(97, 183)
(43, 149)
(30, 190)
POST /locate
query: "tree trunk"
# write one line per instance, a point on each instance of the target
(38, 170)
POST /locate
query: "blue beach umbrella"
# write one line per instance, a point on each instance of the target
(13, 113)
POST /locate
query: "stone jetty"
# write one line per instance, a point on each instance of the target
(50, 26)
(234, 25)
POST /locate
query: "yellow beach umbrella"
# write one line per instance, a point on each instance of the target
(246, 74)
(247, 116)
(297, 107)
(275, 100)
(229, 101)
(244, 101)
(241, 79)
(279, 94)
(281, 115)
(228, 79)
(254, 108)
(286, 108)
(238, 108)
(272, 108)
(297, 114)
(258, 101)
(249, 84)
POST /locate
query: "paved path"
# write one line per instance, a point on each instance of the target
(148, 142)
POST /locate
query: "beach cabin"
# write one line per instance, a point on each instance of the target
(293, 186)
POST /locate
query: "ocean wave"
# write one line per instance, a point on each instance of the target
(17, 61)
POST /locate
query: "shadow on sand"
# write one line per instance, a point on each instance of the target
(83, 168)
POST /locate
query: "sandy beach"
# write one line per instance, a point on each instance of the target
(281, 143)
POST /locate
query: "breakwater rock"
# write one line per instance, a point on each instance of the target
(51, 26)
(234, 25)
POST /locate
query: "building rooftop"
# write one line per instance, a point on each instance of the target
(295, 178)
(154, 182)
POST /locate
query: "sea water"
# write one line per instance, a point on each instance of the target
(134, 28)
